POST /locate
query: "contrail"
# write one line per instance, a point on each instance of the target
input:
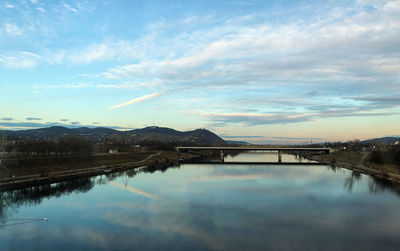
(139, 99)
(153, 95)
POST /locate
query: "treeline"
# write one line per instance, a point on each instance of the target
(350, 146)
(389, 155)
(156, 145)
(39, 147)
(78, 145)
(149, 145)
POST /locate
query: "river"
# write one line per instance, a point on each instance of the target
(207, 207)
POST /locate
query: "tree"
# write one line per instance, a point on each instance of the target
(2, 147)
(2, 143)
(74, 145)
(376, 156)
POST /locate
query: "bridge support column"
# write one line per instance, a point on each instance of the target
(279, 156)
(222, 156)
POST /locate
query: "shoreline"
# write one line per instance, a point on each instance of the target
(362, 169)
(57, 176)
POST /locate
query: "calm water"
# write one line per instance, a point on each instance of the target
(199, 207)
(265, 156)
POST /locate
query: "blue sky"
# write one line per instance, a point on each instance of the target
(262, 71)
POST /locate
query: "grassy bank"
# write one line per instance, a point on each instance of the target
(24, 166)
(352, 158)
(354, 161)
(75, 167)
(390, 168)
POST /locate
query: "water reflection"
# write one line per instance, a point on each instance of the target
(35, 195)
(264, 156)
(13, 199)
(375, 184)
(349, 181)
(135, 190)
(203, 207)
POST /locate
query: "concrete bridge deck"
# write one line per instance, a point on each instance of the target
(280, 150)
(254, 148)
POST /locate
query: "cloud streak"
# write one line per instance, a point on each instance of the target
(138, 100)
(395, 100)
(222, 119)
(239, 137)
(31, 118)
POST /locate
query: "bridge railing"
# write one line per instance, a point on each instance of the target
(241, 148)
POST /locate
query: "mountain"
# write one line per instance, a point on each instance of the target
(166, 135)
(57, 131)
(148, 134)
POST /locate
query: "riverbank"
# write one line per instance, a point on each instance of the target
(354, 162)
(50, 175)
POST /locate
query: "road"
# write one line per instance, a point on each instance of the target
(149, 157)
(361, 162)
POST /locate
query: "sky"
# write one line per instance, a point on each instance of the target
(259, 71)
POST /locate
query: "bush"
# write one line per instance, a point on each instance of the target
(377, 157)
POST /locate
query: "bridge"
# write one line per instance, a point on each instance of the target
(280, 150)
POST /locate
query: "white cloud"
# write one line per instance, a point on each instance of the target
(108, 50)
(20, 60)
(9, 6)
(69, 7)
(338, 47)
(92, 53)
(12, 29)
(330, 50)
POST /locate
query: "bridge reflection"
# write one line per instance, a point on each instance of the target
(279, 150)
(253, 163)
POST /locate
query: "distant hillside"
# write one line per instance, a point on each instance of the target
(383, 140)
(153, 133)
(235, 142)
(57, 131)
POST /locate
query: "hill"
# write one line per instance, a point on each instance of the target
(148, 134)
(383, 140)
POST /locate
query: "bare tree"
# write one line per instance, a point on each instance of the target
(2, 148)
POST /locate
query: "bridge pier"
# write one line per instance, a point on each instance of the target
(280, 150)
(279, 156)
